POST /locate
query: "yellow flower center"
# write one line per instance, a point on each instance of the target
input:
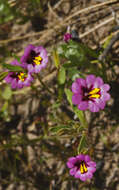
(83, 168)
(37, 60)
(94, 93)
(22, 76)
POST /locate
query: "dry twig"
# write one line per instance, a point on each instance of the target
(109, 47)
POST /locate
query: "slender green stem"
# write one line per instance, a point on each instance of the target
(34, 87)
(85, 120)
(44, 85)
(81, 115)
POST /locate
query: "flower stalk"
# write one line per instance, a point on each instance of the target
(44, 85)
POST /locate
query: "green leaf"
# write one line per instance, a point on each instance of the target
(80, 115)
(59, 128)
(88, 51)
(60, 92)
(74, 73)
(12, 67)
(4, 107)
(56, 105)
(3, 75)
(17, 156)
(69, 95)
(62, 49)
(82, 145)
(62, 75)
(56, 58)
(7, 93)
(77, 54)
(74, 53)
(17, 58)
(6, 12)
(68, 65)
(107, 41)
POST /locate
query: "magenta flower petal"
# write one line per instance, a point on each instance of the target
(87, 158)
(76, 87)
(15, 62)
(76, 98)
(72, 159)
(81, 167)
(8, 78)
(19, 79)
(19, 84)
(83, 105)
(89, 175)
(73, 171)
(91, 163)
(100, 103)
(91, 169)
(90, 93)
(98, 82)
(71, 162)
(81, 82)
(106, 96)
(69, 165)
(14, 83)
(83, 177)
(93, 107)
(67, 37)
(105, 87)
(30, 68)
(34, 58)
(37, 69)
(80, 157)
(77, 174)
(90, 80)
(27, 51)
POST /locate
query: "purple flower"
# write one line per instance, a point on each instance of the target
(90, 93)
(16, 63)
(67, 37)
(34, 58)
(18, 79)
(81, 167)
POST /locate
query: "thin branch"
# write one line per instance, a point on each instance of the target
(97, 27)
(21, 37)
(115, 16)
(89, 8)
(52, 11)
(44, 85)
(58, 4)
